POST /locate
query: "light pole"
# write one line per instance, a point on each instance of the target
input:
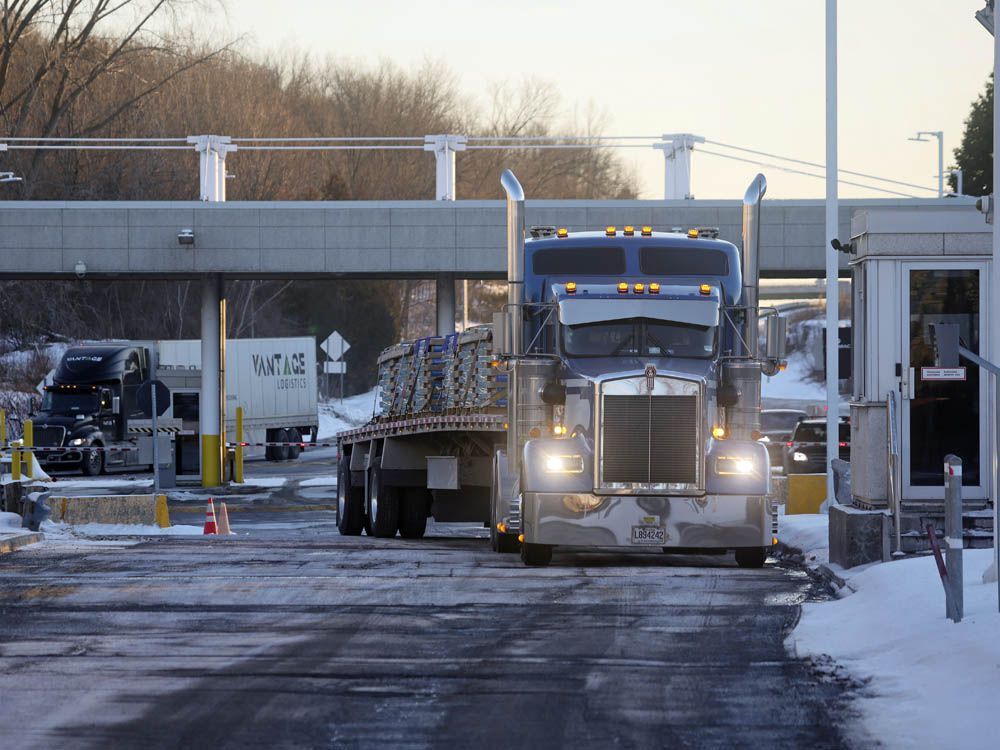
(940, 139)
(832, 256)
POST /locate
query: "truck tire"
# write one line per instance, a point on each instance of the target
(350, 501)
(294, 436)
(753, 557)
(413, 508)
(536, 554)
(93, 462)
(270, 436)
(383, 506)
(281, 452)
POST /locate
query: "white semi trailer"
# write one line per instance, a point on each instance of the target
(90, 419)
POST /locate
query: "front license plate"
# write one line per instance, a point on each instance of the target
(649, 535)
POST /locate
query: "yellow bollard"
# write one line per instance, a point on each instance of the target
(29, 442)
(238, 468)
(15, 465)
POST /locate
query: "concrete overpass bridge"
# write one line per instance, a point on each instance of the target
(371, 239)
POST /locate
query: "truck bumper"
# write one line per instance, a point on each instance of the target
(69, 459)
(712, 522)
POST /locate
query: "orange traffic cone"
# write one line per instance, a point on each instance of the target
(210, 525)
(224, 529)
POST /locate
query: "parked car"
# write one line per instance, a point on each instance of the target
(805, 453)
(776, 426)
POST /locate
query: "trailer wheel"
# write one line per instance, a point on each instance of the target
(536, 554)
(413, 509)
(281, 452)
(383, 506)
(753, 557)
(350, 501)
(294, 436)
(93, 461)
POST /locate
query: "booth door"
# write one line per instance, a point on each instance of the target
(942, 416)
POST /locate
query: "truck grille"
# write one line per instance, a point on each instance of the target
(49, 437)
(650, 440)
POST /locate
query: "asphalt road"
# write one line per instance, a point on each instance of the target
(288, 635)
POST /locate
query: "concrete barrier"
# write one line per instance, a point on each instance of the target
(806, 492)
(119, 509)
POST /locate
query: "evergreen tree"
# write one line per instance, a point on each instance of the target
(975, 156)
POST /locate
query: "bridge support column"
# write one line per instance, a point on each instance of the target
(445, 300)
(677, 148)
(212, 385)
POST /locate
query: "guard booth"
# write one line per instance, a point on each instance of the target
(912, 267)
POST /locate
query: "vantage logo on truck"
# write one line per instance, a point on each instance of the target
(289, 370)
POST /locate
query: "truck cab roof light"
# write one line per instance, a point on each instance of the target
(629, 231)
(639, 288)
(623, 288)
(647, 231)
(705, 289)
(570, 287)
(610, 231)
(562, 233)
(654, 287)
(693, 234)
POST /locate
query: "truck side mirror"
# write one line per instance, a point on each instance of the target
(727, 395)
(116, 404)
(554, 394)
(776, 344)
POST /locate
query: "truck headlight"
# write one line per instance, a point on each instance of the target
(564, 464)
(799, 456)
(77, 441)
(734, 465)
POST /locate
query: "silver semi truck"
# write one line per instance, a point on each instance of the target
(615, 402)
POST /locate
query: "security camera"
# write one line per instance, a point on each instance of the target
(80, 269)
(185, 237)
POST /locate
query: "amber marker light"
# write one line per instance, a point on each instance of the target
(693, 234)
(570, 287)
(654, 288)
(639, 288)
(562, 233)
(647, 231)
(610, 231)
(629, 231)
(623, 288)
(705, 289)
(520, 538)
(718, 432)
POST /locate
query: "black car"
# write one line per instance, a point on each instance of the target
(805, 453)
(776, 426)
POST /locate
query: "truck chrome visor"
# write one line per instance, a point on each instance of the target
(699, 312)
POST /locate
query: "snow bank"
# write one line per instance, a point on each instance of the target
(795, 382)
(9, 522)
(335, 416)
(62, 530)
(808, 532)
(934, 683)
(261, 482)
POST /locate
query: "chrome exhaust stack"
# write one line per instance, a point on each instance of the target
(515, 260)
(750, 261)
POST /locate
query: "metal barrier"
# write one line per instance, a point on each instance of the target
(892, 477)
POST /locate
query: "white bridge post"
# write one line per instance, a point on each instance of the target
(677, 148)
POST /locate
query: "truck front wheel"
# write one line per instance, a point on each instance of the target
(350, 501)
(536, 554)
(383, 506)
(93, 461)
(754, 557)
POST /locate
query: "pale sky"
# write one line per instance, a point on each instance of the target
(749, 73)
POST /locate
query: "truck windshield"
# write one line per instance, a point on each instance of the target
(638, 337)
(70, 403)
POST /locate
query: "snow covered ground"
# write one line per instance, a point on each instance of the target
(60, 531)
(335, 416)
(794, 382)
(931, 682)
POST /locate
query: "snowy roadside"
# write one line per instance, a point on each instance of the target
(930, 682)
(336, 416)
